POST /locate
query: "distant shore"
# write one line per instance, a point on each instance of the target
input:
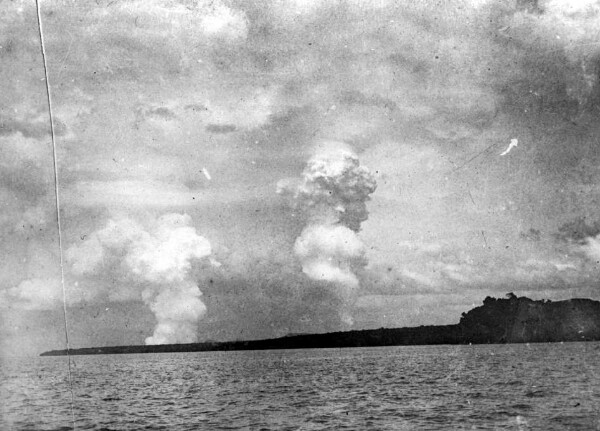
(507, 320)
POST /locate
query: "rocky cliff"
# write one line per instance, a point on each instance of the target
(522, 320)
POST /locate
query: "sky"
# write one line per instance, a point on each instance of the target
(248, 169)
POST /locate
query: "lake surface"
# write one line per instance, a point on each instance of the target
(495, 387)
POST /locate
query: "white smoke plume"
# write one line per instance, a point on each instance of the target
(334, 188)
(332, 195)
(154, 263)
(328, 252)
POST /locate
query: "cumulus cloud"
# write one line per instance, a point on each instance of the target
(155, 264)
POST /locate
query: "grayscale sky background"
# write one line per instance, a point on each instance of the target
(220, 146)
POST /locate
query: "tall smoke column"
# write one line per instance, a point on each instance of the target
(154, 264)
(332, 194)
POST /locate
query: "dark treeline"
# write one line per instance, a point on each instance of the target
(509, 320)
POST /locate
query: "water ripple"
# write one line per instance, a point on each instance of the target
(512, 387)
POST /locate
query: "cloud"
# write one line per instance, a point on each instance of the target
(328, 253)
(428, 96)
(26, 184)
(129, 193)
(578, 230)
(557, 43)
(332, 196)
(162, 256)
(160, 112)
(35, 218)
(582, 237)
(220, 128)
(29, 129)
(222, 21)
(33, 294)
(573, 26)
(24, 152)
(208, 18)
(290, 9)
(111, 41)
(591, 248)
(334, 187)
(246, 108)
(531, 235)
(155, 263)
(155, 195)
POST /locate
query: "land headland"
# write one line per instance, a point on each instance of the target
(506, 320)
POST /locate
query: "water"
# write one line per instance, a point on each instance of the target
(497, 387)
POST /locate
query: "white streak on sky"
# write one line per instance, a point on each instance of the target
(513, 144)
